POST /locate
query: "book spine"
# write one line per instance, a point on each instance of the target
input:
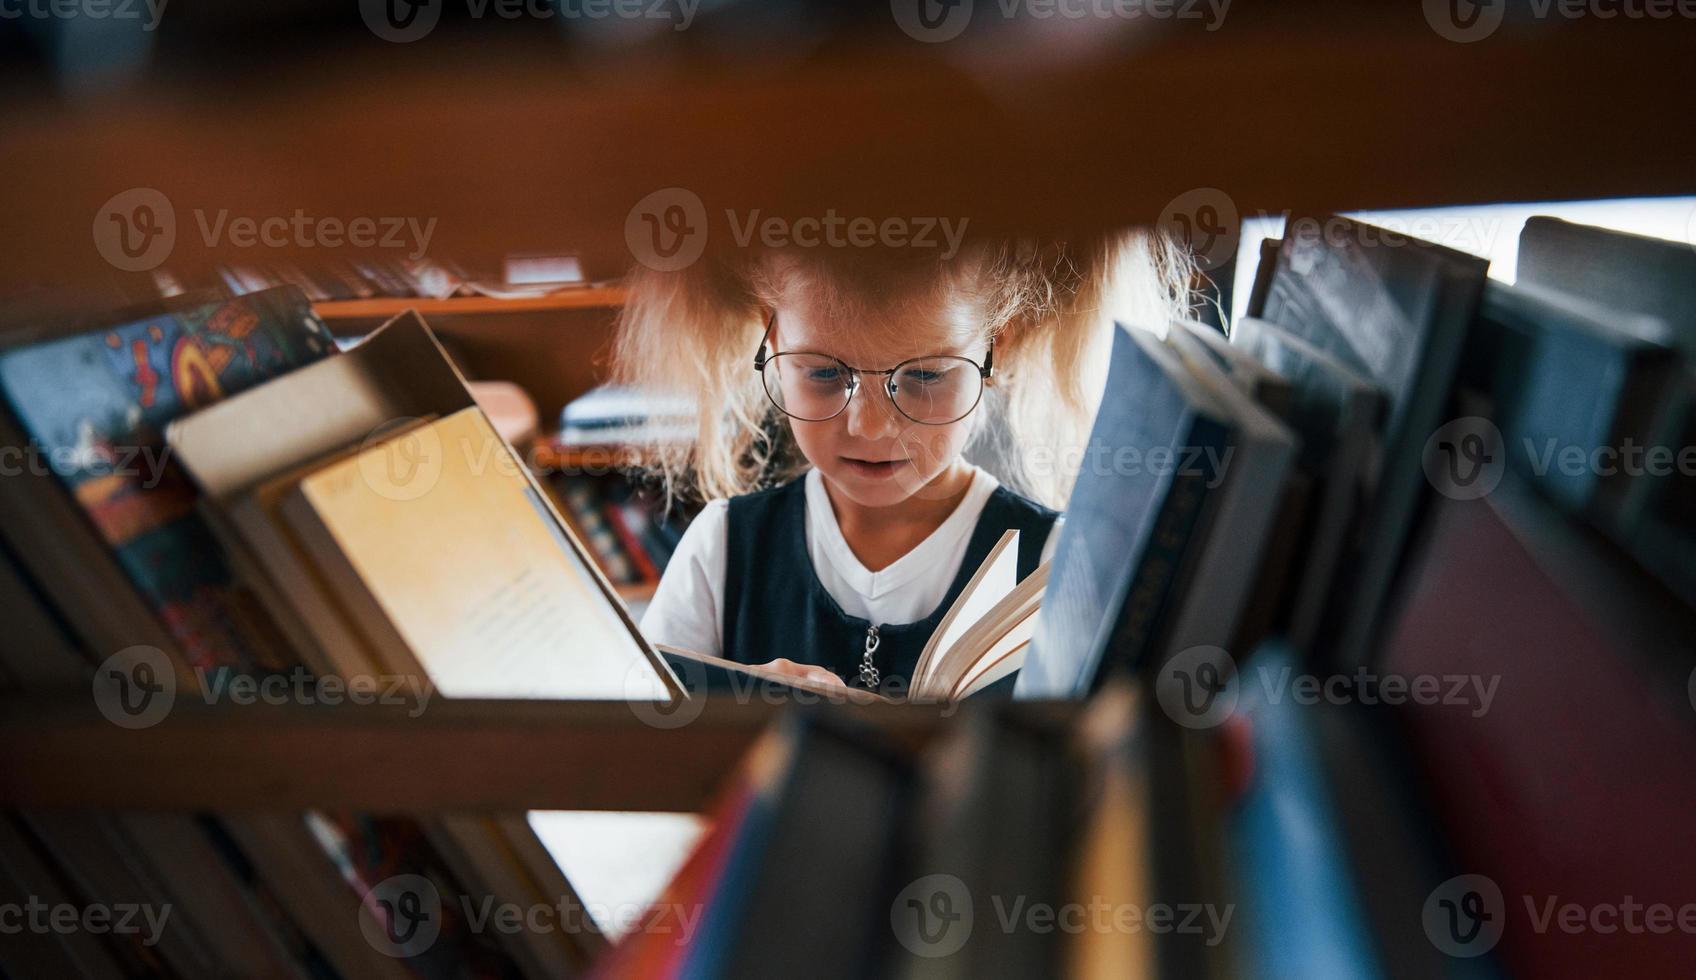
(580, 501)
(1146, 601)
(619, 517)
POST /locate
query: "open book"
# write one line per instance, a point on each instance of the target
(981, 640)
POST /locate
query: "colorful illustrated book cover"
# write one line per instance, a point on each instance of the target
(95, 406)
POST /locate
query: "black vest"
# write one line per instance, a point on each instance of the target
(775, 605)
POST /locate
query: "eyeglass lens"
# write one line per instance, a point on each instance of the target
(931, 390)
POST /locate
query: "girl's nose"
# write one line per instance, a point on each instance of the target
(871, 414)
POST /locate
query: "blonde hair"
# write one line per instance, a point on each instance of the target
(1049, 306)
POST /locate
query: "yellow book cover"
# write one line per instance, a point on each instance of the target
(439, 534)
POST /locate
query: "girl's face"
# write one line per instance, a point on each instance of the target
(871, 452)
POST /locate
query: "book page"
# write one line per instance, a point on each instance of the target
(1005, 628)
(996, 577)
(451, 541)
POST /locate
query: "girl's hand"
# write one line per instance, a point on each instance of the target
(807, 672)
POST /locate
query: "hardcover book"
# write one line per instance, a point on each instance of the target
(95, 405)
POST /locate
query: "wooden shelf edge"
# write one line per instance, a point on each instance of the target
(453, 755)
(637, 592)
(589, 298)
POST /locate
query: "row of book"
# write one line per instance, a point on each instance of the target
(209, 490)
(627, 526)
(1414, 692)
(1293, 501)
(370, 277)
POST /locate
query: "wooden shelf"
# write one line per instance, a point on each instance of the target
(639, 592)
(382, 308)
(466, 755)
(1290, 105)
(552, 456)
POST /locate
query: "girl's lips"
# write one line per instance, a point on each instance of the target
(874, 470)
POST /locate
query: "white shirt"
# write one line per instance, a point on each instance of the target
(688, 608)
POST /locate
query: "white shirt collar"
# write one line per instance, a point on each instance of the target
(826, 537)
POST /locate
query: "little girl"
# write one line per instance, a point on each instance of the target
(839, 390)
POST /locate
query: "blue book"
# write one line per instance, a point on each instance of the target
(1299, 910)
(1147, 473)
(1626, 272)
(1576, 379)
(1396, 310)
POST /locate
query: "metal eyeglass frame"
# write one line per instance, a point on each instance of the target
(986, 370)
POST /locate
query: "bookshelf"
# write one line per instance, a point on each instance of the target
(1371, 109)
(1302, 105)
(382, 308)
(504, 755)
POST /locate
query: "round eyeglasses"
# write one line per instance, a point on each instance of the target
(933, 390)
